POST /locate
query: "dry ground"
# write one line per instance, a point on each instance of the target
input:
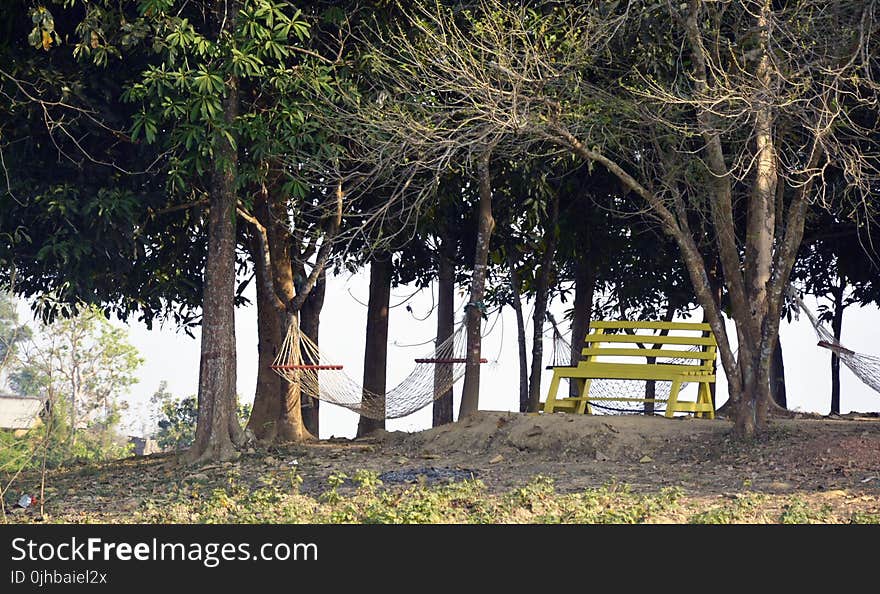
(823, 463)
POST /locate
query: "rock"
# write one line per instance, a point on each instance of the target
(600, 456)
(199, 476)
(496, 459)
(645, 459)
(270, 460)
(402, 460)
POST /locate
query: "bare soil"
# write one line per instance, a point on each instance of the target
(832, 462)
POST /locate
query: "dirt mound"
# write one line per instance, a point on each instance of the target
(553, 437)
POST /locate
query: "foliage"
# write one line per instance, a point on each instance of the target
(81, 367)
(12, 334)
(177, 420)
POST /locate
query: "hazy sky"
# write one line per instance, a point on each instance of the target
(174, 357)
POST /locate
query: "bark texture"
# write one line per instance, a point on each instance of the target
(470, 396)
(443, 409)
(376, 348)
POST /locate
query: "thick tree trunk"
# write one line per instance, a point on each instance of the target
(837, 328)
(475, 309)
(218, 431)
(267, 401)
(310, 319)
(445, 328)
(777, 377)
(290, 423)
(542, 294)
(516, 302)
(276, 414)
(376, 348)
(584, 288)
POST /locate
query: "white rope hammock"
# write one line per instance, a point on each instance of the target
(865, 367)
(322, 377)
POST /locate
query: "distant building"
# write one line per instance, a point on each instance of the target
(144, 446)
(19, 412)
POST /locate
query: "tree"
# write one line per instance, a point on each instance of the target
(403, 137)
(836, 263)
(82, 366)
(178, 418)
(12, 334)
(769, 96)
(205, 99)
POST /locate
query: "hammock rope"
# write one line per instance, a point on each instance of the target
(321, 376)
(865, 367)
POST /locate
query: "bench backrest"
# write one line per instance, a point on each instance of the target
(681, 343)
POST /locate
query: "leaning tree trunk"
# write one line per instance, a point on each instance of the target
(310, 320)
(445, 328)
(376, 348)
(584, 288)
(542, 295)
(475, 309)
(516, 301)
(837, 328)
(218, 431)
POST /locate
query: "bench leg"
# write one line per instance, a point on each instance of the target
(551, 394)
(705, 397)
(672, 404)
(583, 386)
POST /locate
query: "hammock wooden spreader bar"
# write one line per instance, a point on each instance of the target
(319, 375)
(446, 361)
(304, 366)
(834, 347)
(865, 367)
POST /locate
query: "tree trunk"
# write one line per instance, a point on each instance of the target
(516, 301)
(584, 288)
(276, 414)
(376, 349)
(651, 385)
(837, 328)
(777, 377)
(267, 401)
(542, 295)
(475, 309)
(310, 318)
(218, 431)
(716, 285)
(445, 329)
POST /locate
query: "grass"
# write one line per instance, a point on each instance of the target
(363, 499)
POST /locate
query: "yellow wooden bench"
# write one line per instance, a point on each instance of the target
(689, 354)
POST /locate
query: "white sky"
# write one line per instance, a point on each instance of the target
(174, 357)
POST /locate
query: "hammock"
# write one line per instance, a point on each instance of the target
(322, 377)
(865, 367)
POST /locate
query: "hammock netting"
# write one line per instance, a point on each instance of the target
(865, 367)
(617, 388)
(322, 377)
